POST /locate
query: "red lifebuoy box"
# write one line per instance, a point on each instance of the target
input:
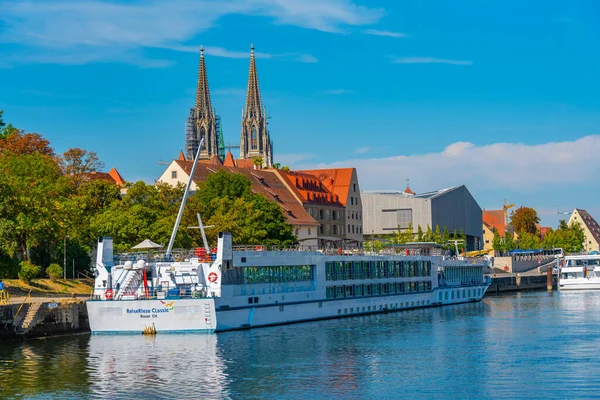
(108, 294)
(200, 252)
(212, 277)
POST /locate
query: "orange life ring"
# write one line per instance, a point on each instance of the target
(108, 294)
(212, 277)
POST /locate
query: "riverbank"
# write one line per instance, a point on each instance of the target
(46, 288)
(43, 318)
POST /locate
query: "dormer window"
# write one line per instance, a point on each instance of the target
(173, 174)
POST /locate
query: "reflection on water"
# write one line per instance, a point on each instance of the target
(526, 345)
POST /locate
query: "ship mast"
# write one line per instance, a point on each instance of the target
(182, 206)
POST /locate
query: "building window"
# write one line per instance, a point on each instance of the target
(309, 231)
(354, 187)
(254, 139)
(352, 201)
(348, 228)
(320, 214)
(173, 174)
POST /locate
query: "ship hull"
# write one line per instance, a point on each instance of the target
(137, 316)
(236, 318)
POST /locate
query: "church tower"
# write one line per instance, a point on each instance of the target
(202, 120)
(254, 138)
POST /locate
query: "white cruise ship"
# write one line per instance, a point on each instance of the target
(241, 288)
(579, 272)
(206, 291)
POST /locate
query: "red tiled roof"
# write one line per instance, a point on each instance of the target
(336, 180)
(229, 161)
(495, 219)
(116, 176)
(181, 156)
(244, 163)
(308, 188)
(113, 176)
(264, 182)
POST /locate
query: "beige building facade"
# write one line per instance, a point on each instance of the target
(591, 229)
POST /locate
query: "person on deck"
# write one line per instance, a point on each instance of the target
(3, 295)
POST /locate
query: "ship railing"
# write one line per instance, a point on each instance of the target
(156, 256)
(274, 248)
(156, 294)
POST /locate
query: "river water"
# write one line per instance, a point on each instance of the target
(526, 345)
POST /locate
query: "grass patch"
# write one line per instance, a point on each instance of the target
(46, 287)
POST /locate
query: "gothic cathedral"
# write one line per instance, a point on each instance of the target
(202, 122)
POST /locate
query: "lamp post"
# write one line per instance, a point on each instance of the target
(65, 258)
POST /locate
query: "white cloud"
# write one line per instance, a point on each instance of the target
(335, 91)
(76, 32)
(292, 158)
(385, 33)
(362, 150)
(430, 60)
(511, 166)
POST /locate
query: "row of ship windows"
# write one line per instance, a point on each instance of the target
(376, 289)
(464, 294)
(390, 306)
(339, 270)
(279, 274)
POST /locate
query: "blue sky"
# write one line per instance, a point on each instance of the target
(499, 95)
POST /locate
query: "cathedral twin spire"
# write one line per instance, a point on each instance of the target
(202, 122)
(255, 141)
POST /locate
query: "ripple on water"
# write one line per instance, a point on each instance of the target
(528, 345)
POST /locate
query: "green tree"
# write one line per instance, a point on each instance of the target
(276, 165)
(226, 201)
(31, 189)
(524, 219)
(509, 241)
(28, 271)
(428, 237)
(437, 237)
(419, 234)
(498, 243)
(569, 238)
(6, 130)
(79, 163)
(258, 162)
(529, 241)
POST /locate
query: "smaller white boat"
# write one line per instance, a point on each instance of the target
(580, 272)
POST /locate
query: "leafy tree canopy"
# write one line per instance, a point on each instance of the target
(568, 237)
(524, 220)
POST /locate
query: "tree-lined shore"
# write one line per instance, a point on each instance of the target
(49, 200)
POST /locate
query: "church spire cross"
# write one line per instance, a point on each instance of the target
(203, 104)
(253, 102)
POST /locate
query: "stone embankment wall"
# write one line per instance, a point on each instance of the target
(516, 283)
(43, 319)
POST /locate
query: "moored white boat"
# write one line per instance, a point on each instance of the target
(579, 272)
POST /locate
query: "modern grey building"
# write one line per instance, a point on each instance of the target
(453, 208)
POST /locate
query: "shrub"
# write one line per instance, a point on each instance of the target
(54, 271)
(28, 271)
